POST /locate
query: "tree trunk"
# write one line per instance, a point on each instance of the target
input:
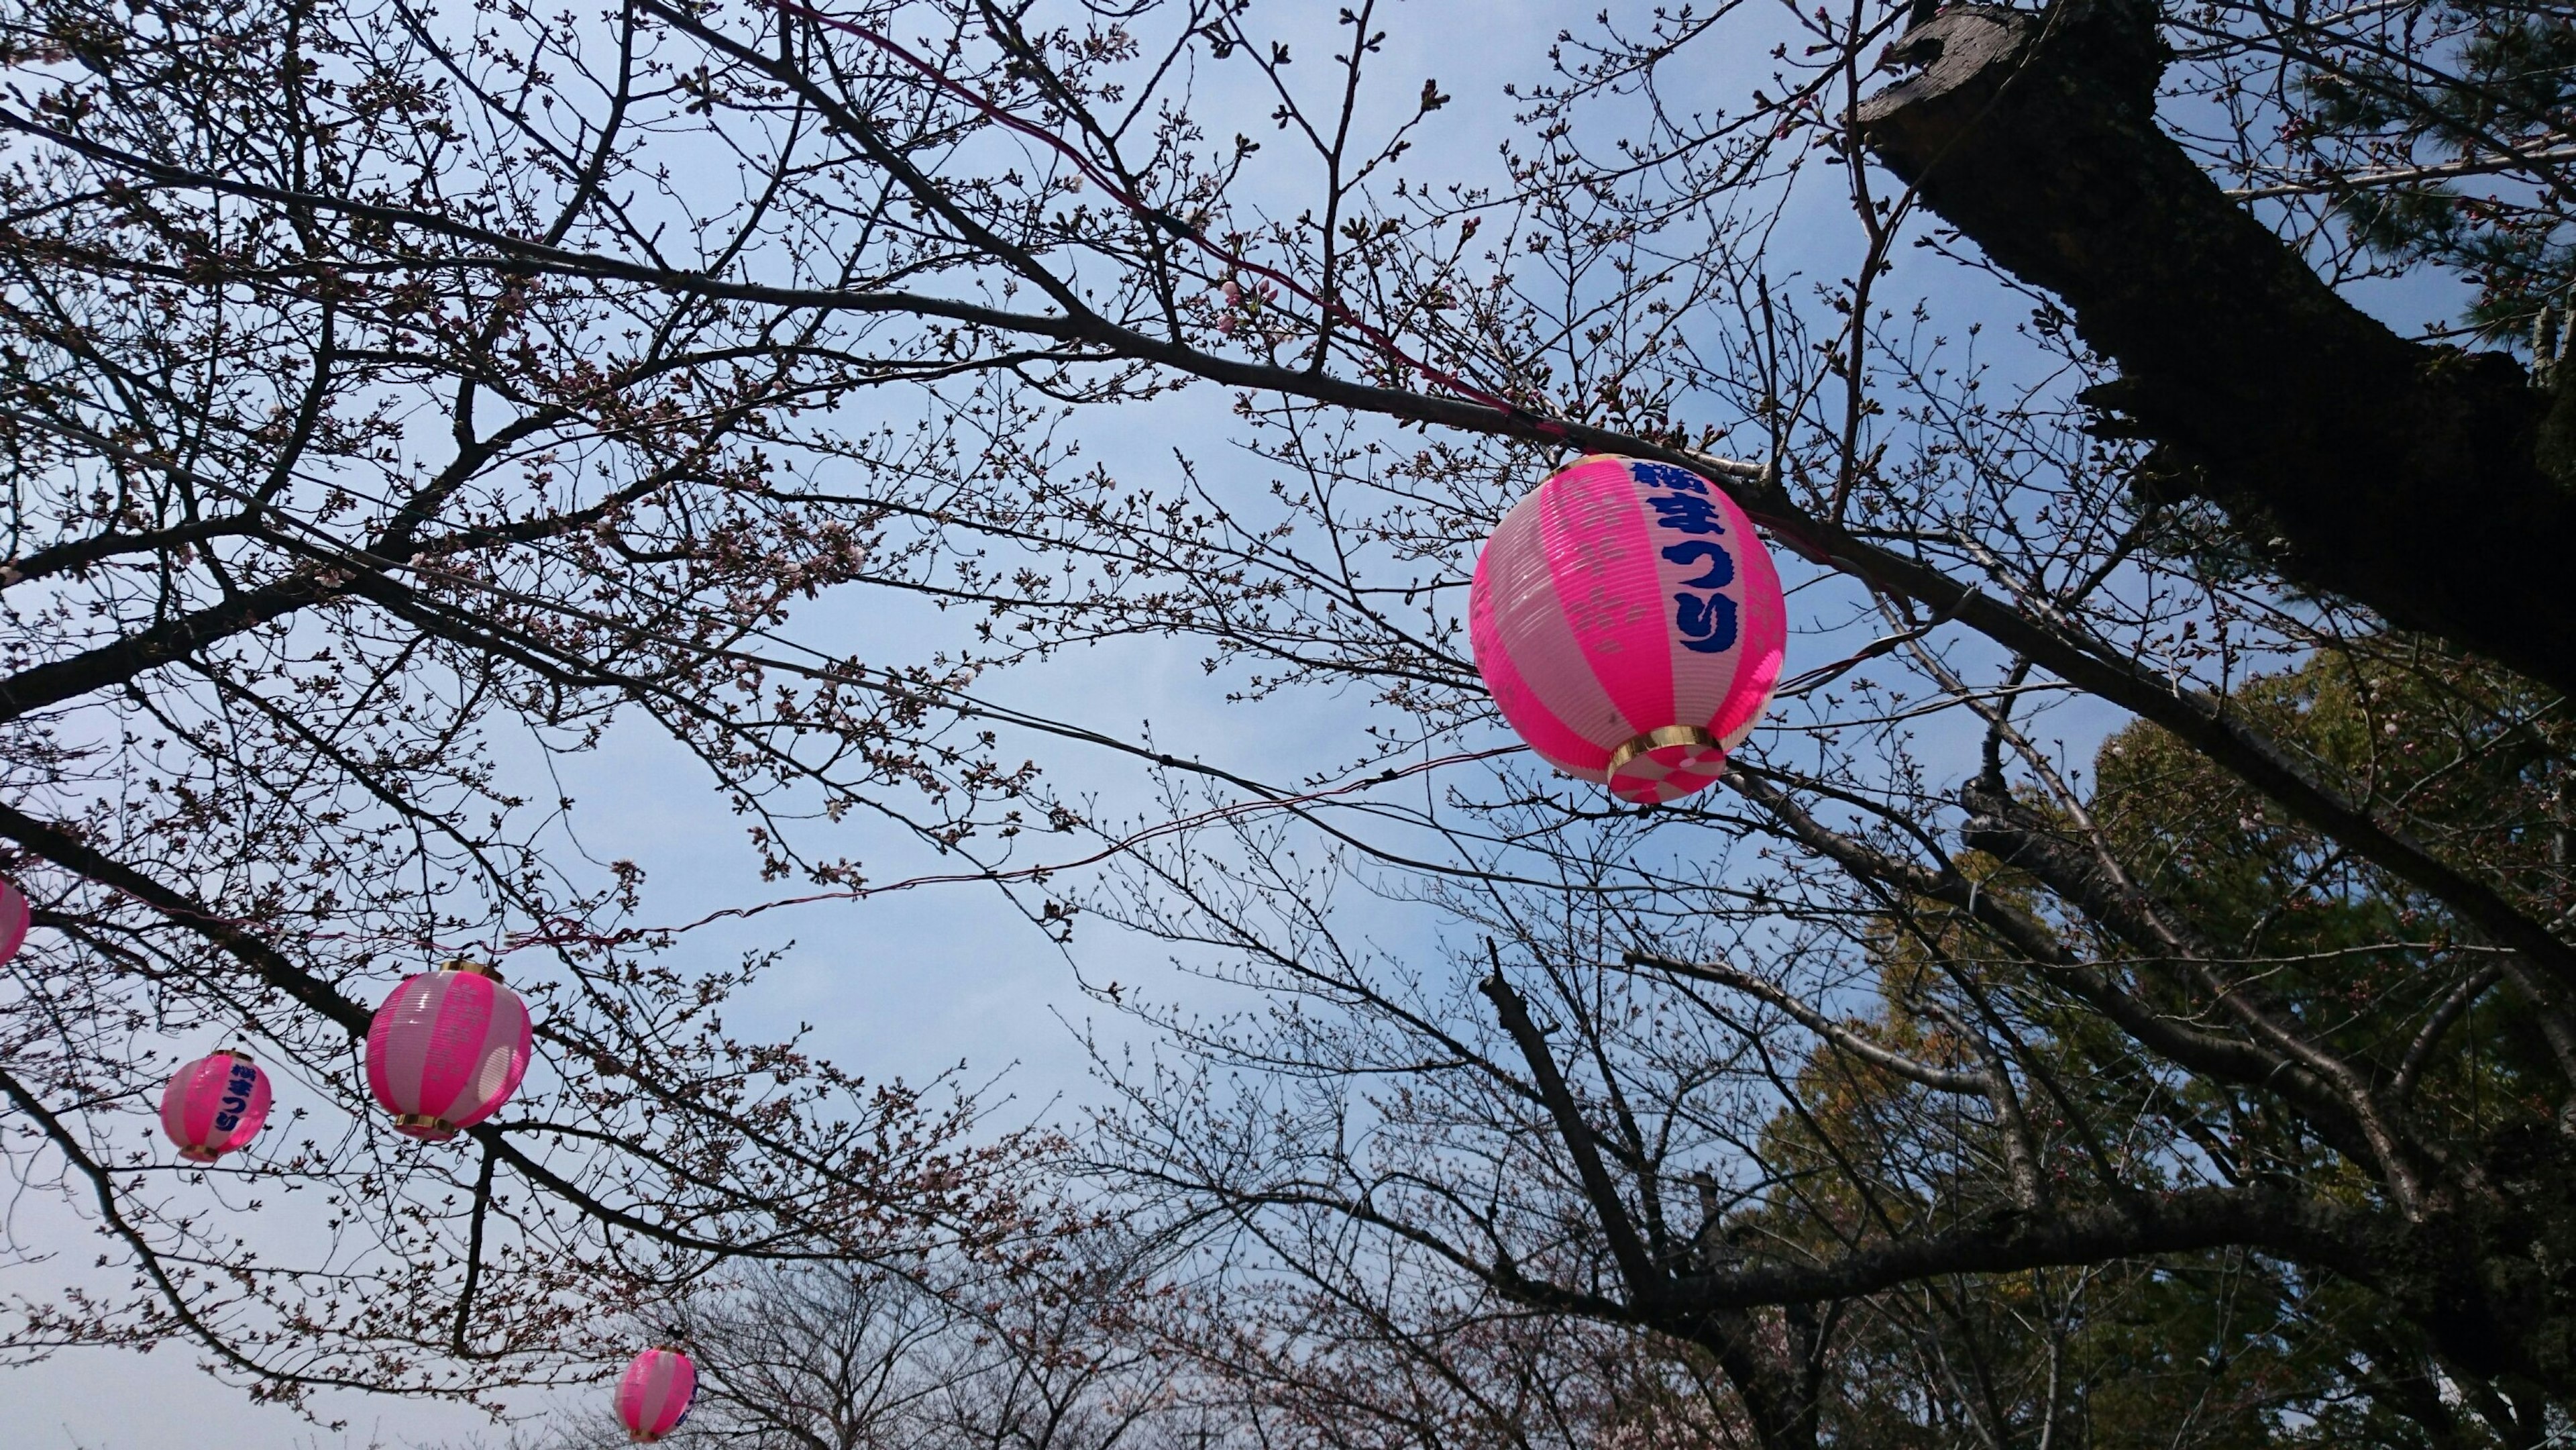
(2404, 476)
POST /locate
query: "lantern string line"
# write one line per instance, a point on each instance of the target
(1165, 221)
(568, 933)
(565, 932)
(1213, 815)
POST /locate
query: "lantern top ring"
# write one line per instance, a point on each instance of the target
(1637, 745)
(470, 968)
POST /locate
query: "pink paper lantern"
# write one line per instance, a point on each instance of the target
(654, 1397)
(1629, 625)
(14, 920)
(446, 1050)
(214, 1105)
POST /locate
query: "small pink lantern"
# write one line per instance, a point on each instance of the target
(214, 1105)
(446, 1050)
(1629, 625)
(14, 919)
(654, 1397)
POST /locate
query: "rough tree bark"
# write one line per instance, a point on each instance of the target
(2414, 479)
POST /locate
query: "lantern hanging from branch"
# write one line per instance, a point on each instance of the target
(214, 1105)
(446, 1050)
(1629, 625)
(654, 1397)
(14, 919)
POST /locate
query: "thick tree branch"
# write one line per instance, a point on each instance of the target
(2291, 1225)
(2053, 644)
(76, 554)
(58, 845)
(2405, 476)
(1635, 1264)
(173, 638)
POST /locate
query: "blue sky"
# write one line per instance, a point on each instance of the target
(913, 983)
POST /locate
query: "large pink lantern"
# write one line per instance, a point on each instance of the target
(1629, 625)
(446, 1050)
(654, 1397)
(214, 1105)
(14, 919)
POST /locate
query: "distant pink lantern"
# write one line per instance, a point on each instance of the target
(654, 1397)
(214, 1105)
(1629, 625)
(446, 1050)
(14, 919)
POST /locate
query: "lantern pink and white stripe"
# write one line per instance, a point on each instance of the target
(15, 916)
(214, 1105)
(446, 1050)
(1629, 625)
(654, 1397)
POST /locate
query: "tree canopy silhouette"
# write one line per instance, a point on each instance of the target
(400, 399)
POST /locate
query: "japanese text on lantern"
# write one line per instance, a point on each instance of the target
(236, 1099)
(1706, 622)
